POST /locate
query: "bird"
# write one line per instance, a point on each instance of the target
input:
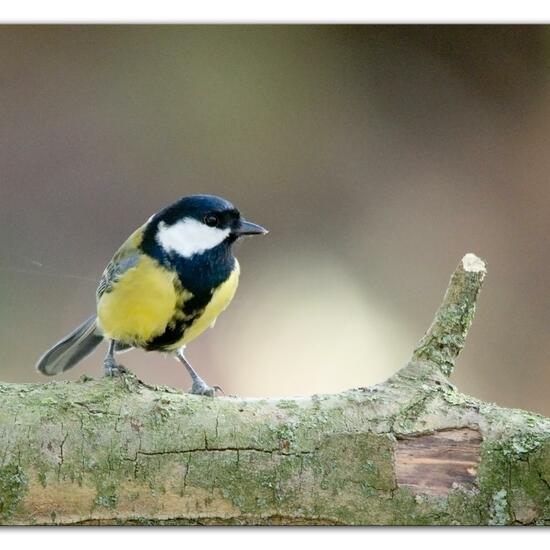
(164, 286)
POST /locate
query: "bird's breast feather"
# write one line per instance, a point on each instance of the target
(141, 303)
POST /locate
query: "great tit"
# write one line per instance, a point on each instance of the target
(164, 286)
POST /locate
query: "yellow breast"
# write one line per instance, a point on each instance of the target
(147, 298)
(140, 305)
(221, 298)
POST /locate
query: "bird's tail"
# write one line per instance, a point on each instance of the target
(72, 349)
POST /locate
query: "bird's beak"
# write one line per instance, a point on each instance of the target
(249, 228)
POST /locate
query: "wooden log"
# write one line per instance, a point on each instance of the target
(412, 450)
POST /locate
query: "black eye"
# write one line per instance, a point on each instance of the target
(211, 220)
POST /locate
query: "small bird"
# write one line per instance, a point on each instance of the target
(164, 286)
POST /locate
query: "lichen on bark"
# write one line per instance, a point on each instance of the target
(122, 452)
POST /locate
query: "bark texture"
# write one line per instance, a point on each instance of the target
(412, 450)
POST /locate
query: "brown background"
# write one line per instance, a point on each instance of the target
(377, 156)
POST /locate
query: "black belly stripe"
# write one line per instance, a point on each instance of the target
(191, 311)
(201, 275)
(169, 337)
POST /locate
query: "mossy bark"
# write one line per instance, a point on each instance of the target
(121, 452)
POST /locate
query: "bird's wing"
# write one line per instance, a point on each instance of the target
(126, 257)
(113, 272)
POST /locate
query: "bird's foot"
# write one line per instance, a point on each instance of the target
(112, 369)
(200, 387)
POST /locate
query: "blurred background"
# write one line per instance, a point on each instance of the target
(376, 155)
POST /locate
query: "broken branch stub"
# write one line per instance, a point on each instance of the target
(446, 336)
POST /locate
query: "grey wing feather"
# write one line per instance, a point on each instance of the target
(72, 349)
(116, 268)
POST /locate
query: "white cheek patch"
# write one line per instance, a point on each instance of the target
(189, 236)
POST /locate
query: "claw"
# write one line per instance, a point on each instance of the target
(110, 367)
(113, 370)
(199, 387)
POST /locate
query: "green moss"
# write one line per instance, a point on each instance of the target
(42, 478)
(511, 479)
(286, 434)
(498, 511)
(13, 484)
(48, 401)
(106, 501)
(106, 495)
(463, 507)
(288, 405)
(522, 444)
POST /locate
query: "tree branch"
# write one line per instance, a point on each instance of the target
(446, 336)
(410, 451)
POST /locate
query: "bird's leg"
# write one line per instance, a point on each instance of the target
(110, 366)
(199, 387)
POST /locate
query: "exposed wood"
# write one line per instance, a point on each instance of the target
(434, 464)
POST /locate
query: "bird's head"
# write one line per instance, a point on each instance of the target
(198, 223)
